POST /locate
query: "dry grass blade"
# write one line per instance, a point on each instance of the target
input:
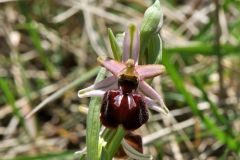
(61, 91)
(166, 131)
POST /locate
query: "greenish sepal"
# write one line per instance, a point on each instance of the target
(114, 45)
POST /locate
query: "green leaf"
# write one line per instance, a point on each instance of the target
(93, 123)
(36, 40)
(4, 85)
(202, 48)
(82, 157)
(104, 155)
(213, 106)
(114, 45)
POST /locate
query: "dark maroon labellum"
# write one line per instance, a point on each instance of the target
(129, 110)
(124, 106)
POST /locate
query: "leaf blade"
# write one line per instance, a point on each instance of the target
(93, 123)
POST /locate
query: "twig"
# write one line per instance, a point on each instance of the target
(97, 11)
(173, 143)
(218, 33)
(4, 1)
(61, 91)
(93, 37)
(166, 131)
(65, 15)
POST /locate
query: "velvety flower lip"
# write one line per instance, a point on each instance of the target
(125, 93)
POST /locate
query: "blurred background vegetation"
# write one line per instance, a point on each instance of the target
(48, 50)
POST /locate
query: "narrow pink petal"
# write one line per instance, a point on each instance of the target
(86, 89)
(93, 93)
(111, 65)
(154, 106)
(126, 46)
(136, 46)
(104, 84)
(149, 91)
(152, 94)
(107, 83)
(149, 71)
(131, 44)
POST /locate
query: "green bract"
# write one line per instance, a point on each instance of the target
(151, 24)
(154, 49)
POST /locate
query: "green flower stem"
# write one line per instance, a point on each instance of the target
(115, 142)
(108, 134)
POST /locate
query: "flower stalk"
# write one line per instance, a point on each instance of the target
(115, 142)
(125, 94)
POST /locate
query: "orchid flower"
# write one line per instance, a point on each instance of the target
(125, 93)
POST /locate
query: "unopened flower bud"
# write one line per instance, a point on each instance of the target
(152, 22)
